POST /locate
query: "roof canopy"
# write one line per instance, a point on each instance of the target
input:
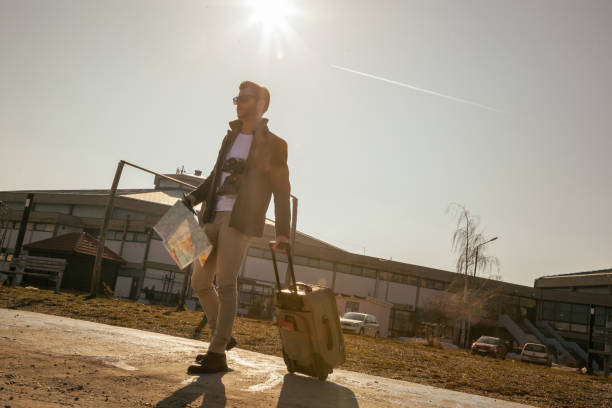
(74, 242)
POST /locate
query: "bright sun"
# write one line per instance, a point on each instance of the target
(271, 14)
(273, 17)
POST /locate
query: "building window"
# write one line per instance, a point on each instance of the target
(352, 307)
(600, 316)
(344, 268)
(326, 265)
(431, 284)
(563, 312)
(528, 303)
(44, 227)
(578, 328)
(300, 260)
(548, 311)
(369, 273)
(356, 270)
(409, 280)
(580, 314)
(602, 290)
(438, 285)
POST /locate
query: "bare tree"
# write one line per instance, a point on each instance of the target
(466, 240)
(470, 246)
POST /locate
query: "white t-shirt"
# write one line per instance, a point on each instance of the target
(240, 150)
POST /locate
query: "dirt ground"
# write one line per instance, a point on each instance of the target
(450, 369)
(51, 361)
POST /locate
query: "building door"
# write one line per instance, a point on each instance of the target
(123, 286)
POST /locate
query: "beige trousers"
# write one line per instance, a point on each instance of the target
(225, 261)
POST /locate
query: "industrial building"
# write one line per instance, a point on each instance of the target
(555, 308)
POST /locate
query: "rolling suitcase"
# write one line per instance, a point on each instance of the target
(310, 332)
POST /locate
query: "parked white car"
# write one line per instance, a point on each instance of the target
(363, 324)
(536, 353)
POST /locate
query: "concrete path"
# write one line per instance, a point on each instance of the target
(152, 367)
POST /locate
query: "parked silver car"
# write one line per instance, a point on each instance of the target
(363, 324)
(536, 353)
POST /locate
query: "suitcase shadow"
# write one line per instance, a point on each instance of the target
(301, 391)
(209, 385)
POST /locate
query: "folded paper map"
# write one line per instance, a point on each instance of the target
(182, 236)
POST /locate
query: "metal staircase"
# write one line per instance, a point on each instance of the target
(549, 341)
(569, 345)
(507, 323)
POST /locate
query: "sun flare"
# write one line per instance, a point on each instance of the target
(273, 15)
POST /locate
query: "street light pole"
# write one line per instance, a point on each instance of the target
(469, 324)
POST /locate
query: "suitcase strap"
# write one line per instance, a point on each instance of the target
(330, 340)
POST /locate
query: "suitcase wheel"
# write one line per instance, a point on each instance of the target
(321, 369)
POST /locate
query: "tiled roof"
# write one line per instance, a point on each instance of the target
(156, 196)
(79, 242)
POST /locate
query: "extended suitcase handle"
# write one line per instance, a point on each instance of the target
(290, 259)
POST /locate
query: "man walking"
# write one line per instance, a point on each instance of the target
(250, 168)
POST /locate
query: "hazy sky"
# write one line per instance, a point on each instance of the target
(392, 110)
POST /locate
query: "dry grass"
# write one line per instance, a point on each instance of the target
(452, 369)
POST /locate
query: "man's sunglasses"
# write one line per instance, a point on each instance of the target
(242, 98)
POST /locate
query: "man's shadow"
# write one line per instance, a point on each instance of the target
(301, 391)
(211, 385)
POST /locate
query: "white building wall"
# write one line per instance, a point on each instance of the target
(354, 285)
(34, 236)
(113, 245)
(154, 278)
(11, 238)
(158, 253)
(262, 269)
(89, 211)
(121, 214)
(381, 311)
(313, 276)
(134, 251)
(381, 292)
(429, 296)
(55, 208)
(123, 286)
(402, 294)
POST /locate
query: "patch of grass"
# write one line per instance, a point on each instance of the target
(452, 369)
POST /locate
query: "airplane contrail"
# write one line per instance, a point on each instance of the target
(427, 91)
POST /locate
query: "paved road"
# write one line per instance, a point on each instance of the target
(80, 363)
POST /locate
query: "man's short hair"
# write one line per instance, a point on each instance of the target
(261, 92)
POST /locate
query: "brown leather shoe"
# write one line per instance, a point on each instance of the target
(230, 345)
(210, 363)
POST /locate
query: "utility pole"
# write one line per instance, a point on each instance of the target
(95, 275)
(22, 231)
(590, 343)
